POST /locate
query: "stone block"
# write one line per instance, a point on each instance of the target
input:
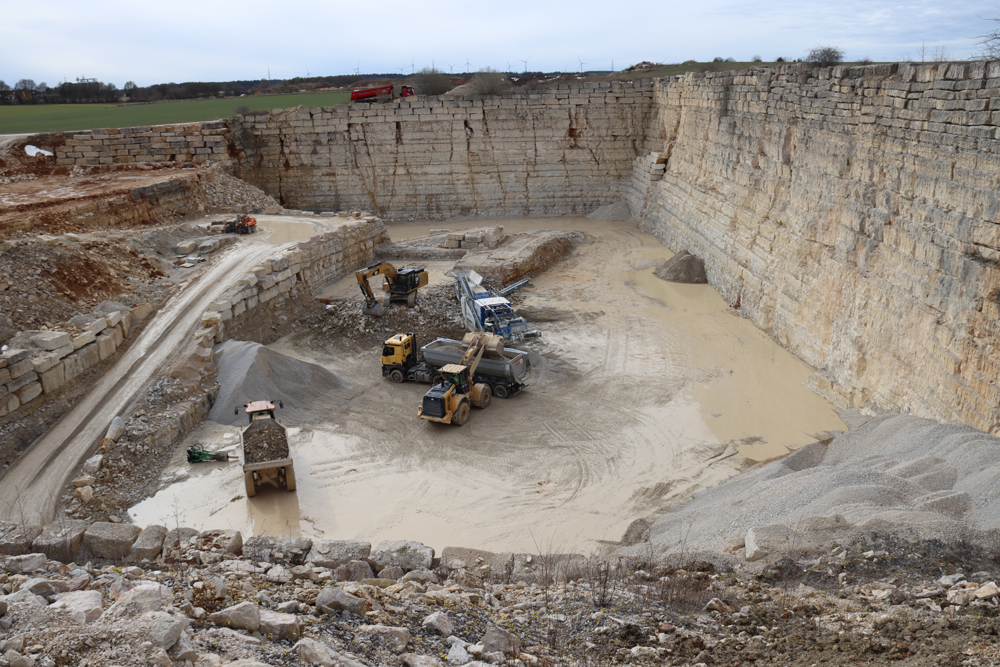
(86, 338)
(22, 380)
(141, 311)
(276, 625)
(72, 367)
(105, 345)
(452, 244)
(51, 340)
(111, 540)
(149, 543)
(44, 361)
(332, 553)
(27, 562)
(18, 541)
(113, 318)
(407, 554)
(29, 392)
(8, 403)
(54, 378)
(89, 356)
(81, 606)
(21, 368)
(13, 356)
(60, 540)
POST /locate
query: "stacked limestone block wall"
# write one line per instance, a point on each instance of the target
(554, 152)
(850, 212)
(187, 142)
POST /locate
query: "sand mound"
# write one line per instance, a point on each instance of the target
(683, 268)
(912, 477)
(617, 212)
(252, 372)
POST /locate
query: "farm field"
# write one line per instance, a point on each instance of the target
(32, 118)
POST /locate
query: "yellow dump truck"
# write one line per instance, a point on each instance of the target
(266, 459)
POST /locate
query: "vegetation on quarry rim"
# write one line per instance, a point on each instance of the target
(31, 118)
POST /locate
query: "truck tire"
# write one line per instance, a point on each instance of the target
(484, 396)
(396, 375)
(461, 414)
(290, 477)
(248, 479)
(500, 391)
(411, 299)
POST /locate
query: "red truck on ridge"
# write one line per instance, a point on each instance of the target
(371, 94)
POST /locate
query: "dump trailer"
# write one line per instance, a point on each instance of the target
(380, 92)
(266, 459)
(506, 371)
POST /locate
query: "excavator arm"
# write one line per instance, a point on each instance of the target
(382, 268)
(478, 343)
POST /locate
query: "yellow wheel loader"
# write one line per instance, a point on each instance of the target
(400, 286)
(450, 400)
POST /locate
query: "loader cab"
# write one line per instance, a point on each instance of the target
(399, 349)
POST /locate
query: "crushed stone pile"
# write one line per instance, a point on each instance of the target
(890, 474)
(267, 442)
(225, 191)
(252, 372)
(617, 212)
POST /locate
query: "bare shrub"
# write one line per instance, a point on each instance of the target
(241, 110)
(489, 82)
(825, 56)
(430, 81)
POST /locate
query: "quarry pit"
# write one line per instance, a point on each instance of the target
(847, 219)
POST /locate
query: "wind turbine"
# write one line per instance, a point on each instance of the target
(357, 70)
(467, 65)
(451, 68)
(508, 64)
(525, 61)
(413, 66)
(581, 64)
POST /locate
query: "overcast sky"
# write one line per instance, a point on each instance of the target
(207, 40)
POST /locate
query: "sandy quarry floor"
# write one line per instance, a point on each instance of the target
(645, 392)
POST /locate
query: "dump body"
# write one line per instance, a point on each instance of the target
(371, 94)
(264, 442)
(512, 365)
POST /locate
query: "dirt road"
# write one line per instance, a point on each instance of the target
(30, 489)
(642, 393)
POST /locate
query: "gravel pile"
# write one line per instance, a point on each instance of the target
(616, 212)
(252, 372)
(896, 474)
(225, 191)
(266, 443)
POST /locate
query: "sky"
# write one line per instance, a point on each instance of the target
(206, 40)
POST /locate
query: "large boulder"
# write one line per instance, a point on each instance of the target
(333, 553)
(276, 625)
(82, 606)
(683, 268)
(60, 540)
(312, 652)
(498, 640)
(18, 541)
(26, 563)
(143, 597)
(245, 616)
(163, 629)
(406, 554)
(395, 638)
(149, 544)
(333, 599)
(111, 540)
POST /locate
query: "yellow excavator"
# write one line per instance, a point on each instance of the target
(400, 286)
(450, 400)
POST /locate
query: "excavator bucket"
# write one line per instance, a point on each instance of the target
(376, 309)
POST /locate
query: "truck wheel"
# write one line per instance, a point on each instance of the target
(411, 299)
(461, 414)
(500, 391)
(290, 477)
(248, 479)
(396, 375)
(484, 396)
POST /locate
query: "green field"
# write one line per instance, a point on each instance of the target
(32, 118)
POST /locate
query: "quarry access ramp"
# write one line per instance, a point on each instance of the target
(30, 489)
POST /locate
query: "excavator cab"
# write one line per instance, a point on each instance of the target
(400, 286)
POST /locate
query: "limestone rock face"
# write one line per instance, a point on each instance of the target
(847, 212)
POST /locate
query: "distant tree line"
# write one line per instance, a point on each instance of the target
(26, 91)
